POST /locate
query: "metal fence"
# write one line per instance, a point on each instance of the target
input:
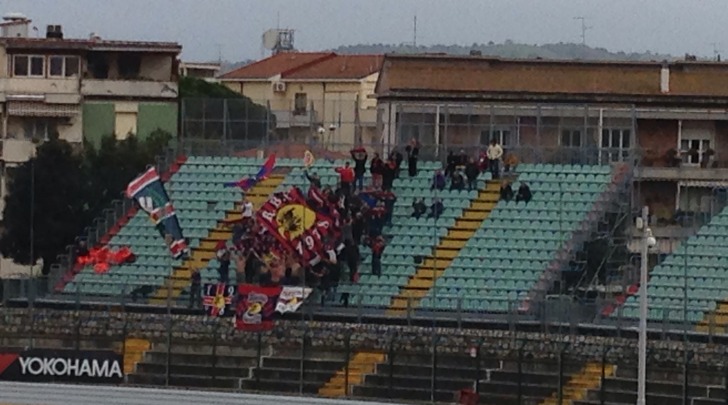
(415, 364)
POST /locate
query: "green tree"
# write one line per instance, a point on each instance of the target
(50, 186)
(115, 163)
(213, 111)
(70, 190)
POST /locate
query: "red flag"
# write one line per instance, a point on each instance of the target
(256, 307)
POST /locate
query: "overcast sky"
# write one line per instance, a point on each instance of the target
(234, 27)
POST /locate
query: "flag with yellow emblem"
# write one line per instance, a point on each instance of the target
(218, 299)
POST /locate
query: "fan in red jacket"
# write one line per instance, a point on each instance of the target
(346, 177)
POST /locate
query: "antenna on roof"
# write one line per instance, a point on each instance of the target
(414, 33)
(584, 29)
(716, 51)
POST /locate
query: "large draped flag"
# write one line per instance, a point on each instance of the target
(149, 192)
(248, 182)
(296, 226)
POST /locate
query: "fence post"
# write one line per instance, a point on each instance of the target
(603, 376)
(301, 366)
(686, 377)
(259, 360)
(477, 366)
(520, 372)
(214, 349)
(169, 351)
(78, 330)
(433, 388)
(391, 363)
(562, 353)
(347, 348)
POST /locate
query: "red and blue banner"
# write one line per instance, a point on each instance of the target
(256, 307)
(295, 225)
(249, 182)
(218, 299)
(151, 196)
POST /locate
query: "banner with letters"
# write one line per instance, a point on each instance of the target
(47, 365)
(295, 225)
(218, 299)
(291, 298)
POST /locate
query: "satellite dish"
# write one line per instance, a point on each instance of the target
(270, 38)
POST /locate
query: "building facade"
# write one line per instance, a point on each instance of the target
(671, 118)
(79, 89)
(315, 96)
(82, 88)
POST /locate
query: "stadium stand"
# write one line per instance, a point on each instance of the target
(515, 244)
(706, 259)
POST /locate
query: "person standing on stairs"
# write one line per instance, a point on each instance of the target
(360, 161)
(248, 210)
(223, 256)
(377, 245)
(413, 153)
(398, 158)
(195, 288)
(389, 172)
(494, 153)
(472, 172)
(346, 178)
(376, 168)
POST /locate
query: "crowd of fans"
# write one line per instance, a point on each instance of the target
(360, 213)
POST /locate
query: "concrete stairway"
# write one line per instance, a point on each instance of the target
(442, 256)
(200, 256)
(360, 365)
(579, 385)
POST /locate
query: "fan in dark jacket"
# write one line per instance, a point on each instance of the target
(472, 172)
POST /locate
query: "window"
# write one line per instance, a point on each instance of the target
(63, 66)
(504, 136)
(616, 144)
(694, 150)
(29, 65)
(571, 138)
(20, 65)
(37, 66)
(299, 103)
(129, 65)
(39, 129)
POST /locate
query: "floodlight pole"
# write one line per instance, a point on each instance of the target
(641, 375)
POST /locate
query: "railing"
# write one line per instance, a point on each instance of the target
(412, 363)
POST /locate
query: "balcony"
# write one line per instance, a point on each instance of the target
(682, 173)
(129, 88)
(295, 119)
(58, 91)
(17, 150)
(672, 165)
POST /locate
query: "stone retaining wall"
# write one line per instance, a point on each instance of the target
(105, 327)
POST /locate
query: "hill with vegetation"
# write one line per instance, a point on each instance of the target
(509, 49)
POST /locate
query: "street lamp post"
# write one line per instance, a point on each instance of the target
(647, 241)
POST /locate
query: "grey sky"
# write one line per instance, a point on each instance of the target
(667, 26)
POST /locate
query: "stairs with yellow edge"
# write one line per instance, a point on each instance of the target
(134, 350)
(715, 321)
(579, 385)
(201, 255)
(433, 266)
(361, 364)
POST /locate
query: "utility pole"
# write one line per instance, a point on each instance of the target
(584, 29)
